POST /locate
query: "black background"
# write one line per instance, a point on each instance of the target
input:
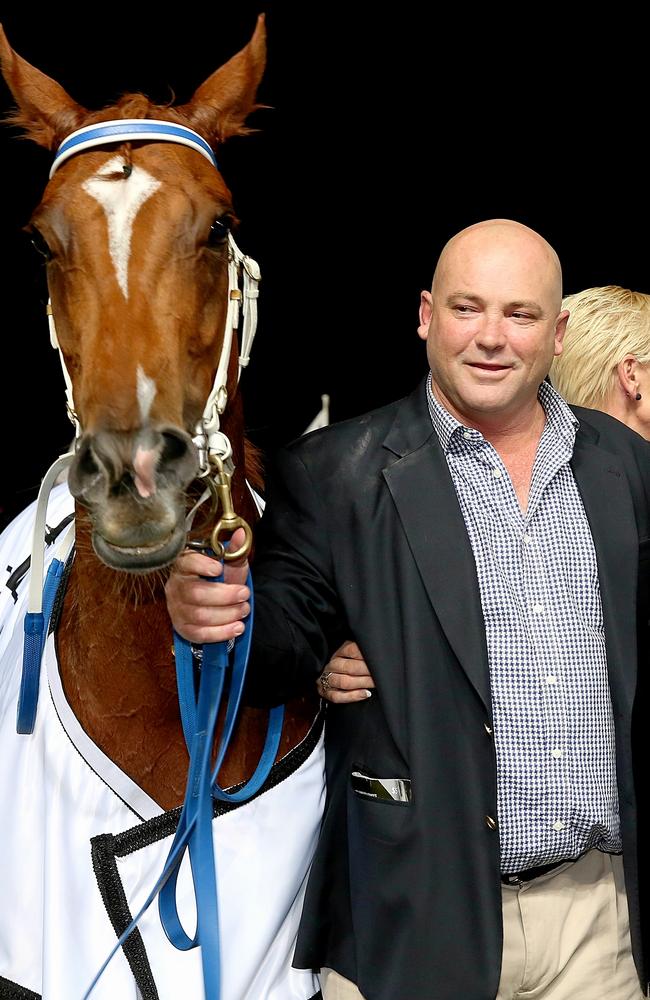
(391, 128)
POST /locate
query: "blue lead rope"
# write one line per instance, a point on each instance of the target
(36, 628)
(194, 830)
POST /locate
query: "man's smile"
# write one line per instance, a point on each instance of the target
(486, 366)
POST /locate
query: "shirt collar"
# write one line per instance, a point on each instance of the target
(560, 419)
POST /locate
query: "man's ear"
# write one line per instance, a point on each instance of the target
(560, 330)
(426, 310)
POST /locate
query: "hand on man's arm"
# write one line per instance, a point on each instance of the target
(346, 677)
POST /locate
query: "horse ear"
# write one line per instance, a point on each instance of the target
(221, 105)
(44, 110)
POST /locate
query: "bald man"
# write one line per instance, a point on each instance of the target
(487, 547)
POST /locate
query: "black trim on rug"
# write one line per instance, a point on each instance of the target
(12, 991)
(119, 914)
(59, 597)
(107, 847)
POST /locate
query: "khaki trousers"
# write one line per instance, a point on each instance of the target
(335, 987)
(566, 936)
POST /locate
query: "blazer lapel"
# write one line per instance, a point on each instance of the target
(426, 502)
(608, 503)
(425, 498)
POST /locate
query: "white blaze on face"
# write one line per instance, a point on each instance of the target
(145, 459)
(146, 390)
(144, 468)
(121, 200)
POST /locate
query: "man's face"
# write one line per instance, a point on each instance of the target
(492, 326)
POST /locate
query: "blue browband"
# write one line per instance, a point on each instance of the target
(131, 130)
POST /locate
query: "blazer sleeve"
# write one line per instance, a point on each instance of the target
(298, 620)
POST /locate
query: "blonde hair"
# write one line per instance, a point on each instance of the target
(605, 325)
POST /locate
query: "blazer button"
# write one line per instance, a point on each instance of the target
(491, 823)
(488, 728)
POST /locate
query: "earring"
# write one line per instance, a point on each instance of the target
(638, 396)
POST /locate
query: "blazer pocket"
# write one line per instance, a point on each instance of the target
(392, 791)
(383, 820)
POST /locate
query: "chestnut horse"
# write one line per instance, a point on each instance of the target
(136, 234)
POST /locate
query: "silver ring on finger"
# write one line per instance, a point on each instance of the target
(324, 680)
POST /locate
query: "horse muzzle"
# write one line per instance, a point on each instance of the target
(133, 484)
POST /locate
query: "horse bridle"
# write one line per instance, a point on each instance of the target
(214, 448)
(243, 280)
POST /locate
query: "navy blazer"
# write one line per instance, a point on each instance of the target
(363, 537)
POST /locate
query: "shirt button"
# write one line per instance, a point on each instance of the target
(496, 473)
(527, 538)
(551, 679)
(490, 822)
(557, 752)
(467, 435)
(538, 608)
(558, 825)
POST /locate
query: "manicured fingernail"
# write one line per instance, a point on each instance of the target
(243, 594)
(368, 693)
(239, 628)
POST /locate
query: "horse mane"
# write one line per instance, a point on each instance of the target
(253, 465)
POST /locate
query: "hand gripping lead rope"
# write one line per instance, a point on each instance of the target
(198, 802)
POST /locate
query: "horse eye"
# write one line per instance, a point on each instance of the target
(39, 243)
(219, 231)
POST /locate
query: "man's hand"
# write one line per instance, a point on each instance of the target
(202, 611)
(346, 677)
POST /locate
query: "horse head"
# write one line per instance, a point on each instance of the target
(136, 238)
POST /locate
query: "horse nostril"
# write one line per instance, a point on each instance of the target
(173, 448)
(86, 463)
(178, 463)
(87, 476)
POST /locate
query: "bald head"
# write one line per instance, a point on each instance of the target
(511, 248)
(493, 323)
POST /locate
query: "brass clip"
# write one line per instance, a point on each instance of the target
(229, 521)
